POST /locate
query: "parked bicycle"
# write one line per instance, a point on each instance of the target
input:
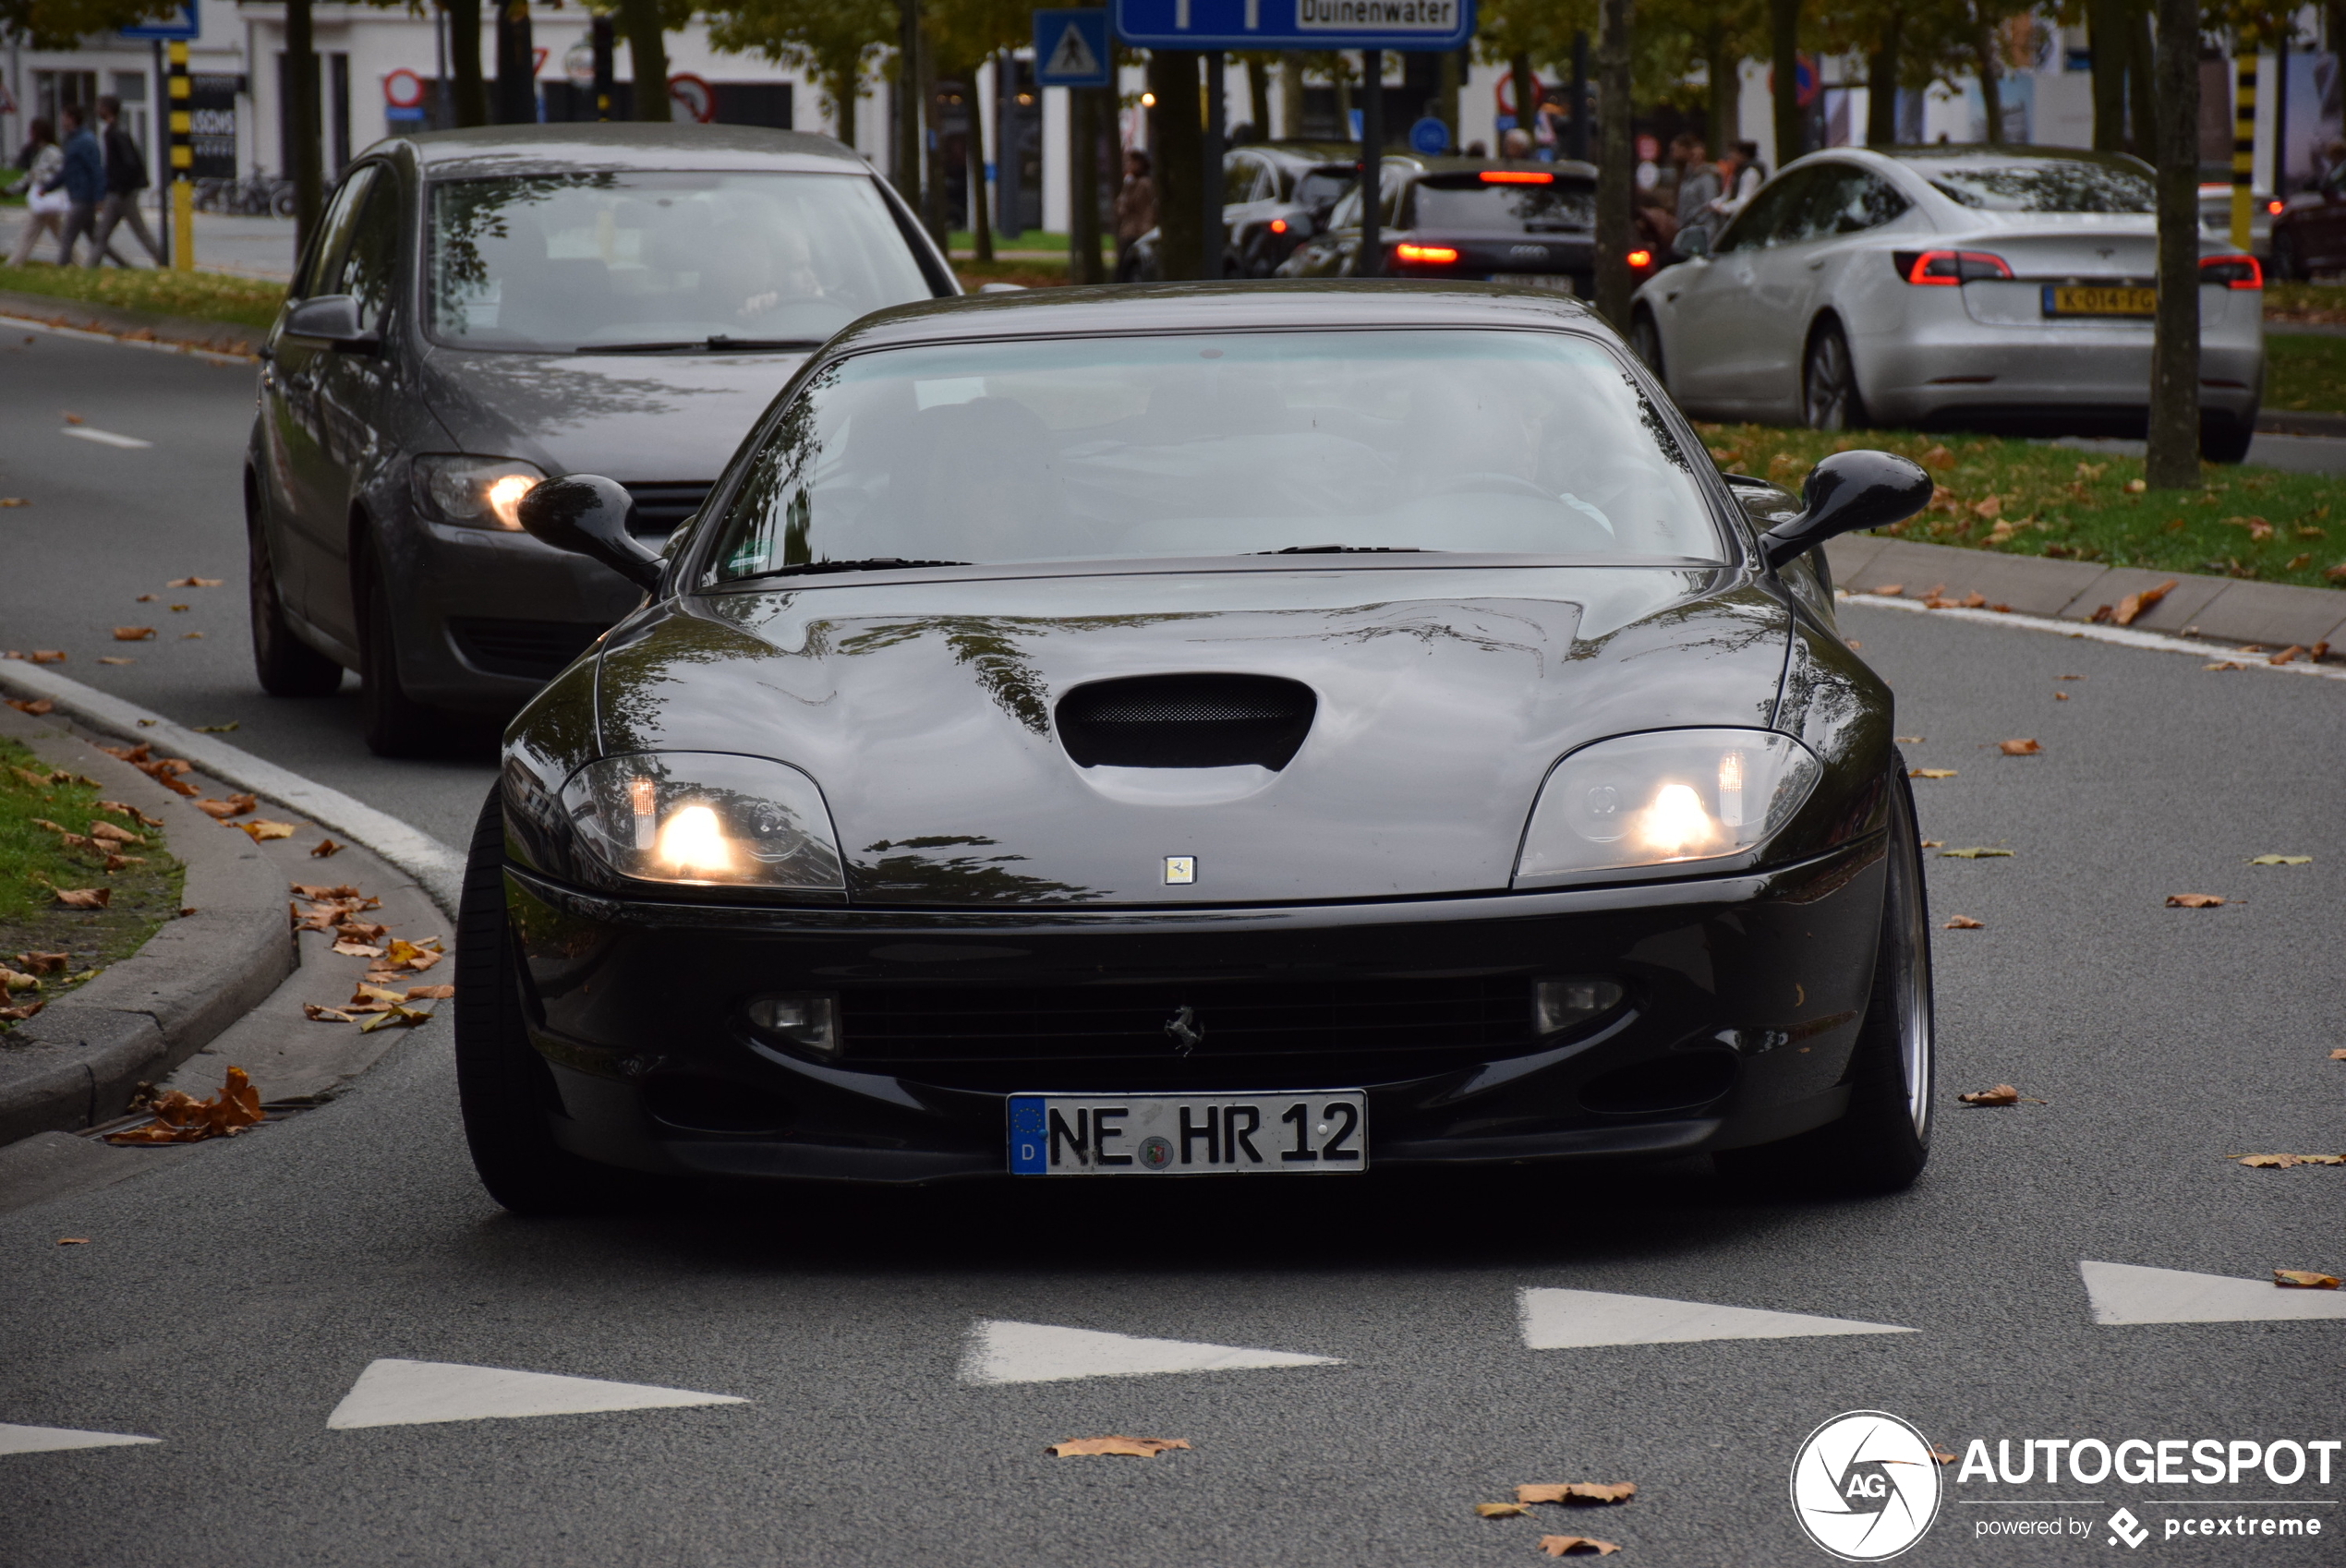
(254, 195)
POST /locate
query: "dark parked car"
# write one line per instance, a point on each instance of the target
(481, 310)
(1275, 195)
(2309, 231)
(1212, 728)
(1523, 222)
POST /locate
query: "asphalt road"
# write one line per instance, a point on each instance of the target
(227, 1303)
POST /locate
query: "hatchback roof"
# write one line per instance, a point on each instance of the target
(588, 146)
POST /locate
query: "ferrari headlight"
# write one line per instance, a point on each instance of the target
(474, 492)
(705, 819)
(1665, 796)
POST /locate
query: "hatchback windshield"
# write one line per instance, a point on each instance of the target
(1516, 442)
(630, 259)
(1473, 206)
(2051, 185)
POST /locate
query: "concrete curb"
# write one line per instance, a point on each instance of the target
(75, 1062)
(216, 337)
(2275, 614)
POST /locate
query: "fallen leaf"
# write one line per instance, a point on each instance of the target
(2060, 696)
(184, 636)
(2223, 665)
(324, 848)
(2266, 1162)
(1908, 740)
(1132, 1447)
(360, 931)
(36, 707)
(133, 633)
(83, 898)
(1577, 1491)
(2019, 748)
(193, 582)
(181, 1117)
(234, 805)
(72, 418)
(13, 500)
(358, 950)
(2258, 529)
(2002, 1094)
(45, 655)
(311, 891)
(44, 963)
(1565, 1546)
(1941, 1454)
(264, 830)
(2292, 651)
(1500, 1510)
(216, 728)
(1938, 457)
(2136, 487)
(2321, 1159)
(406, 1017)
(429, 992)
(317, 1014)
(1961, 922)
(2193, 901)
(2134, 605)
(109, 832)
(1890, 590)
(2338, 1056)
(1931, 843)
(21, 1011)
(2281, 860)
(1853, 642)
(2303, 1279)
(1980, 853)
(1930, 773)
(73, 1241)
(362, 993)
(109, 658)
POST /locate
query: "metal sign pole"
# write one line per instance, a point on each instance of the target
(1370, 263)
(1209, 167)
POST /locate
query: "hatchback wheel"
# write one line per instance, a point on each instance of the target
(395, 724)
(1829, 382)
(287, 666)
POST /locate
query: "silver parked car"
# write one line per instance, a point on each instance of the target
(1948, 284)
(482, 309)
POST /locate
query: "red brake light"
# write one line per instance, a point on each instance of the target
(1278, 225)
(2274, 207)
(1642, 259)
(2232, 272)
(1516, 177)
(1438, 253)
(1948, 269)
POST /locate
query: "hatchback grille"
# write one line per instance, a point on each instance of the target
(535, 650)
(1186, 721)
(1269, 1034)
(661, 507)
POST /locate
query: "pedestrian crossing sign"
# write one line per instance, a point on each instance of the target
(1070, 48)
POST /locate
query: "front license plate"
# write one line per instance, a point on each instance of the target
(1323, 1132)
(2064, 301)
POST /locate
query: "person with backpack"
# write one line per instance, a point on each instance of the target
(82, 177)
(126, 177)
(43, 162)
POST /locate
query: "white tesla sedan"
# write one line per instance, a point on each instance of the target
(1912, 286)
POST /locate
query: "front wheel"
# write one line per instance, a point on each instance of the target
(395, 725)
(286, 666)
(1829, 382)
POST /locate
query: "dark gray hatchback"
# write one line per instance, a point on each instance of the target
(482, 309)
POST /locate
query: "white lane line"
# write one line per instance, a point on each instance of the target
(217, 356)
(2124, 636)
(103, 437)
(414, 1393)
(438, 869)
(49, 1440)
(1003, 1352)
(2125, 1293)
(1575, 1319)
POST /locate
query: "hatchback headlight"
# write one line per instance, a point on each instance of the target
(705, 819)
(475, 492)
(1666, 796)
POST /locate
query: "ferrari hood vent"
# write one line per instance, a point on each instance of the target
(1186, 721)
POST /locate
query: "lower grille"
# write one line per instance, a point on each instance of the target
(533, 650)
(661, 507)
(1295, 1035)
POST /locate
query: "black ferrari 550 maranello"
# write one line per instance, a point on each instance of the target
(1205, 730)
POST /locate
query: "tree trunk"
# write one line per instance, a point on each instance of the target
(1292, 94)
(1614, 164)
(464, 61)
(1176, 143)
(516, 66)
(1783, 44)
(1882, 81)
(1527, 99)
(1726, 87)
(1991, 97)
(647, 57)
(2105, 37)
(1083, 186)
(933, 158)
(1453, 74)
(904, 137)
(2142, 86)
(980, 221)
(302, 160)
(1258, 97)
(2172, 462)
(842, 83)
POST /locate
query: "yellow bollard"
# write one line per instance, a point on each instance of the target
(2244, 148)
(181, 128)
(183, 227)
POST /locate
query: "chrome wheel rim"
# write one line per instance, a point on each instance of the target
(1828, 383)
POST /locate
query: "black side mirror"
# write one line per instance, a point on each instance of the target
(587, 514)
(1847, 491)
(335, 318)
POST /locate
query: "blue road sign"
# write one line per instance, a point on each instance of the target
(1070, 48)
(1429, 137)
(187, 24)
(1295, 24)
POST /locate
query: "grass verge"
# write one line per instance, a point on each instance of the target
(2025, 498)
(36, 860)
(2304, 372)
(2322, 303)
(203, 297)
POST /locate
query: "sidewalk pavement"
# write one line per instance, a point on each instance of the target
(254, 247)
(2273, 614)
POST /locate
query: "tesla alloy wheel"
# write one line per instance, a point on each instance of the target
(1829, 382)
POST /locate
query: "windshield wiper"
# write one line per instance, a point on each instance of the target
(720, 344)
(1346, 550)
(873, 563)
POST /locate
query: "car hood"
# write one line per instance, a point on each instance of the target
(925, 712)
(634, 417)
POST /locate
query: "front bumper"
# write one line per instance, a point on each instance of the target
(1745, 996)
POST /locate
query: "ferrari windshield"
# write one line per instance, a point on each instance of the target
(1240, 444)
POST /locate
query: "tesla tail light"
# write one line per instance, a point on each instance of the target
(1664, 796)
(1517, 176)
(474, 492)
(1441, 254)
(705, 819)
(2232, 272)
(1559, 1005)
(1948, 269)
(1642, 259)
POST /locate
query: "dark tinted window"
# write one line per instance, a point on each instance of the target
(1238, 175)
(325, 262)
(1320, 188)
(1772, 215)
(1844, 200)
(371, 265)
(1472, 206)
(2044, 185)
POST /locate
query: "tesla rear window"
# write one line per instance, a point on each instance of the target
(580, 262)
(1232, 444)
(2044, 186)
(1502, 209)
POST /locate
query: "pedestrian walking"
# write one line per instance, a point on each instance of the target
(1135, 204)
(1697, 186)
(82, 178)
(43, 162)
(126, 177)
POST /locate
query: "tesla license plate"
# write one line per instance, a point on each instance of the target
(1323, 1132)
(2060, 301)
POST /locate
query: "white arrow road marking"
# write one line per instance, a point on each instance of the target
(413, 1393)
(103, 437)
(2124, 1293)
(1570, 1320)
(44, 1440)
(1040, 1353)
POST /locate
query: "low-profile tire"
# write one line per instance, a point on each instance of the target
(1882, 1142)
(1828, 399)
(286, 666)
(1645, 341)
(504, 1088)
(2223, 438)
(395, 725)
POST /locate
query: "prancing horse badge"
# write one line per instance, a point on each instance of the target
(1179, 870)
